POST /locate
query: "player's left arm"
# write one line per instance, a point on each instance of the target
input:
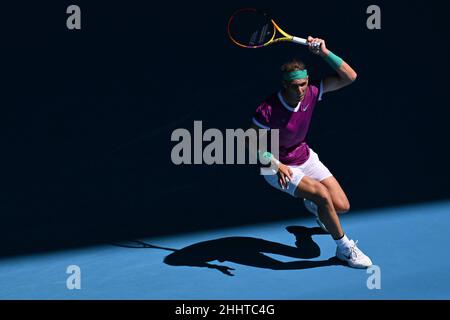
(344, 75)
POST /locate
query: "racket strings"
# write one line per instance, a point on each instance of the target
(264, 34)
(250, 29)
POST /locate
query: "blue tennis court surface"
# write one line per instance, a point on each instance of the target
(409, 244)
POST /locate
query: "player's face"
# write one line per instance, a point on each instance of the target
(296, 89)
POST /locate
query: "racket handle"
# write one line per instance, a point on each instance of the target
(300, 41)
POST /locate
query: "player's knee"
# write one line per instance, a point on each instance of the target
(342, 206)
(321, 194)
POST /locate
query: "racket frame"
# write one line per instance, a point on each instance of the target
(286, 37)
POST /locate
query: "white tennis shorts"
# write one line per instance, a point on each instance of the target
(312, 168)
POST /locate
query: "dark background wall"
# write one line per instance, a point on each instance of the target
(86, 116)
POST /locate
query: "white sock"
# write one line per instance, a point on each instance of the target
(343, 243)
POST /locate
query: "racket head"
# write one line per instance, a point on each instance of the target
(251, 28)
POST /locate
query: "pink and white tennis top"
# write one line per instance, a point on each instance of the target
(293, 123)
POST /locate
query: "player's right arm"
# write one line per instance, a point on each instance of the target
(284, 172)
(344, 73)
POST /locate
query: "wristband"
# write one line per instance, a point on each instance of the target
(333, 60)
(270, 157)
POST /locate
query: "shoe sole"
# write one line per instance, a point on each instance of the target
(353, 266)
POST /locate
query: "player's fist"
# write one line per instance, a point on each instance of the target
(317, 46)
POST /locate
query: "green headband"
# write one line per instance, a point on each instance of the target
(294, 75)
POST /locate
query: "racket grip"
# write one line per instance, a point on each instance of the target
(300, 41)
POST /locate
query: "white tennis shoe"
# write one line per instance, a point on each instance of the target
(312, 207)
(353, 256)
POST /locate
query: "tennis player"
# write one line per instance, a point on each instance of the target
(300, 172)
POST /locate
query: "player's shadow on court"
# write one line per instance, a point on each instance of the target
(249, 251)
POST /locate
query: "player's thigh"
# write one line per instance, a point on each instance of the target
(313, 190)
(338, 196)
(297, 176)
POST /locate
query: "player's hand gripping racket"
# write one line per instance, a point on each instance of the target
(252, 28)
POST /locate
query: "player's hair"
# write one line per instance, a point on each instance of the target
(293, 65)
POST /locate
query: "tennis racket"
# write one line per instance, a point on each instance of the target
(252, 28)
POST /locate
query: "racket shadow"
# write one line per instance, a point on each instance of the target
(248, 251)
